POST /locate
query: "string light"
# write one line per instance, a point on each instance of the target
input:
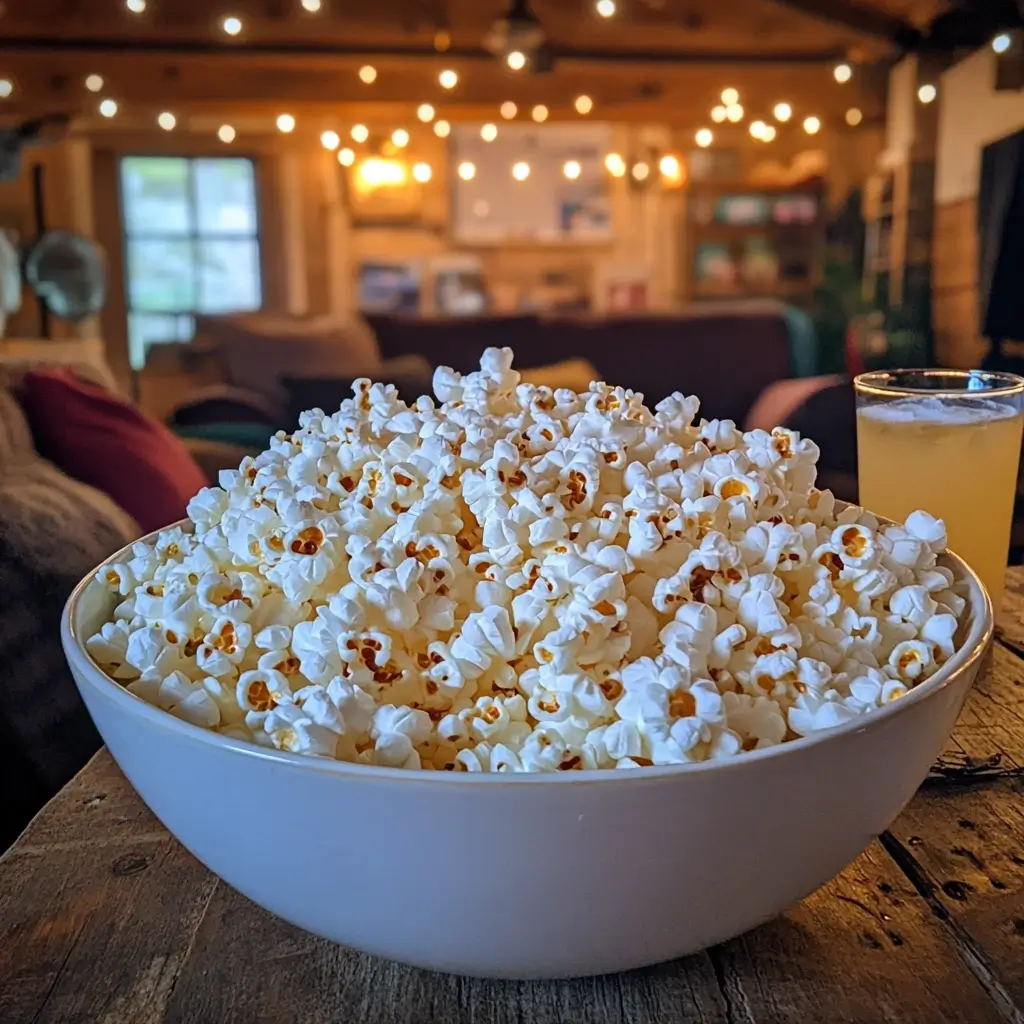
(719, 114)
(467, 170)
(232, 25)
(704, 138)
(757, 129)
(442, 129)
(330, 139)
(489, 132)
(167, 121)
(769, 133)
(509, 110)
(6, 88)
(521, 170)
(421, 172)
(313, 6)
(516, 60)
(94, 83)
(360, 133)
(730, 97)
(927, 93)
(108, 108)
(425, 112)
(571, 169)
(135, 6)
(368, 74)
(442, 40)
(615, 165)
(605, 8)
(854, 117)
(734, 112)
(226, 133)
(812, 125)
(641, 170)
(400, 137)
(783, 112)
(285, 123)
(584, 104)
(346, 157)
(1001, 43)
(539, 113)
(670, 167)
(842, 73)
(448, 79)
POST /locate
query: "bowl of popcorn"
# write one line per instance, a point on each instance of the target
(527, 683)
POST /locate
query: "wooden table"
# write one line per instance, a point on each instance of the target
(106, 920)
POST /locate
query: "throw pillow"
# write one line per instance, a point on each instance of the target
(105, 441)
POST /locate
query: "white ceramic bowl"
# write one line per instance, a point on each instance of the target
(527, 876)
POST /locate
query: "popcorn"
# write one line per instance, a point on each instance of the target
(515, 579)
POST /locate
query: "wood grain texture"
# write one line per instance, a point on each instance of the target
(106, 919)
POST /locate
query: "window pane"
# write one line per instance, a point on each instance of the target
(225, 197)
(229, 275)
(148, 329)
(155, 195)
(160, 276)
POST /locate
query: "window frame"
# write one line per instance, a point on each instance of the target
(193, 236)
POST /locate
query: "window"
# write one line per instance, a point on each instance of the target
(191, 244)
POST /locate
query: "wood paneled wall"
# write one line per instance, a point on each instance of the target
(958, 340)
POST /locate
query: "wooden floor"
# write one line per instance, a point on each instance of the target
(106, 919)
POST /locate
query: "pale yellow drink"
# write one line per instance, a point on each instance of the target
(957, 461)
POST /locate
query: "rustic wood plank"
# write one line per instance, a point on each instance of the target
(1010, 620)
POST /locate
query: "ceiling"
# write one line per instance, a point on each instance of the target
(663, 60)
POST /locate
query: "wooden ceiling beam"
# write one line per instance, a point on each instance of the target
(859, 17)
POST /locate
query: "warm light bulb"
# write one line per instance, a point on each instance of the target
(489, 132)
(615, 165)
(6, 88)
(584, 104)
(421, 172)
(521, 170)
(448, 79)
(783, 112)
(812, 125)
(927, 93)
(539, 113)
(757, 128)
(226, 133)
(94, 83)
(842, 73)
(719, 114)
(442, 129)
(135, 6)
(232, 25)
(346, 157)
(704, 138)
(1001, 43)
(730, 97)
(467, 170)
(516, 60)
(509, 110)
(311, 5)
(400, 137)
(285, 123)
(854, 117)
(425, 112)
(108, 108)
(641, 170)
(330, 139)
(167, 121)
(571, 169)
(605, 8)
(734, 112)
(670, 167)
(769, 133)
(360, 133)
(368, 74)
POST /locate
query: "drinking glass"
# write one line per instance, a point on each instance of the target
(948, 442)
